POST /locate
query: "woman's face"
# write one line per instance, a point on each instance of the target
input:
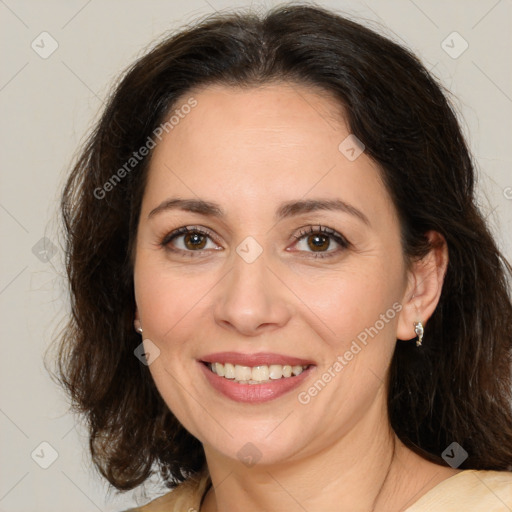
(292, 259)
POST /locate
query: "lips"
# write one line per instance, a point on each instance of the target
(259, 359)
(251, 391)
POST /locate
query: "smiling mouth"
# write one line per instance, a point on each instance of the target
(255, 374)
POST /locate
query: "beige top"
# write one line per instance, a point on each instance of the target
(469, 490)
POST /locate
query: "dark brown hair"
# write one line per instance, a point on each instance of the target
(456, 388)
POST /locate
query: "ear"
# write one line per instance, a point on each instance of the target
(424, 285)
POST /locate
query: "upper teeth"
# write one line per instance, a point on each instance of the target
(255, 374)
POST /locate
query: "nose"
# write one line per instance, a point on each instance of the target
(251, 299)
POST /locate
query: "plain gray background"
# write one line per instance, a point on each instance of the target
(49, 104)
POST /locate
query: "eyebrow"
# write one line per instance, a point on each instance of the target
(285, 210)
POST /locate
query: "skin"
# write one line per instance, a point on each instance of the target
(250, 150)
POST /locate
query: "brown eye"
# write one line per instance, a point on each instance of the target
(318, 242)
(194, 241)
(189, 240)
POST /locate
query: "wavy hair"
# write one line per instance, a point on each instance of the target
(458, 387)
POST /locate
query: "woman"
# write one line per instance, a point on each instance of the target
(283, 208)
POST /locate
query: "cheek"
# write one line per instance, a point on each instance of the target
(167, 299)
(358, 315)
(353, 301)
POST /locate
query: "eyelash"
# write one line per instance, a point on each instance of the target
(310, 230)
(323, 230)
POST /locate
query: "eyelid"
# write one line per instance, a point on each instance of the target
(338, 238)
(303, 232)
(183, 230)
(309, 230)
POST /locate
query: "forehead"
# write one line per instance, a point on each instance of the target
(260, 143)
(241, 126)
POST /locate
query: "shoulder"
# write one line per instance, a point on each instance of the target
(486, 491)
(184, 498)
